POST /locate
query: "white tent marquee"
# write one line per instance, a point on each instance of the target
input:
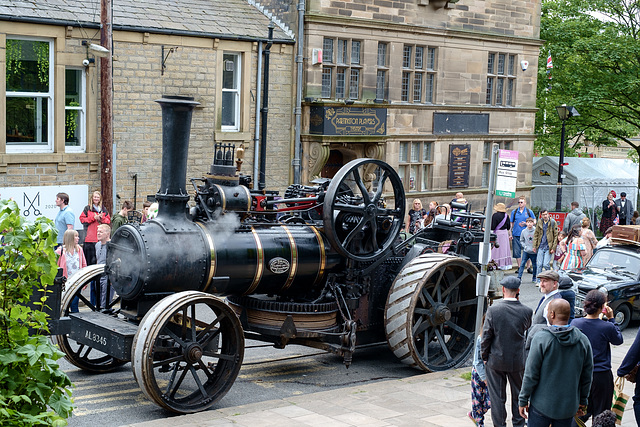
(587, 181)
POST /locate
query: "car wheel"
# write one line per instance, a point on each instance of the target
(622, 316)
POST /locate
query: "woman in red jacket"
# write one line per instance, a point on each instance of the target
(92, 216)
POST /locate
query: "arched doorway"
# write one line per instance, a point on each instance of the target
(333, 165)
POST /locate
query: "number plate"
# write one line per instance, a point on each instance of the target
(104, 333)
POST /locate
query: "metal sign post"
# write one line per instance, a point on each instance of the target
(482, 281)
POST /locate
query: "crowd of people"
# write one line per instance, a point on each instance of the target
(418, 217)
(547, 353)
(538, 243)
(558, 368)
(99, 227)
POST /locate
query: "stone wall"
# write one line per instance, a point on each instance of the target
(192, 69)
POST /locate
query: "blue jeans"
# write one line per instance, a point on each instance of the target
(527, 256)
(538, 419)
(544, 260)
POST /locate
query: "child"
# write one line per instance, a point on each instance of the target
(561, 250)
(526, 243)
(480, 402)
(71, 259)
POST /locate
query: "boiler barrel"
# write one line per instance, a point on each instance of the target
(271, 259)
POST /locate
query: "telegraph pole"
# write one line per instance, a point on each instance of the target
(106, 102)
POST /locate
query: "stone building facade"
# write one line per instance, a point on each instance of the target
(438, 75)
(209, 53)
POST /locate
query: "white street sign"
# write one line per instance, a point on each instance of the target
(507, 173)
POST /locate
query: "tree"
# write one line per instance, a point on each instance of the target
(595, 45)
(33, 389)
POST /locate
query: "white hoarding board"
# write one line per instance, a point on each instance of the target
(507, 173)
(41, 201)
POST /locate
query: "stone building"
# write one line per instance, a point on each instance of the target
(50, 87)
(426, 85)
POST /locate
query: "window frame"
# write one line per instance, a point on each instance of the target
(501, 79)
(382, 71)
(17, 148)
(416, 65)
(82, 148)
(423, 180)
(237, 77)
(337, 77)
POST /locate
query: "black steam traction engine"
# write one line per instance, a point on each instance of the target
(323, 267)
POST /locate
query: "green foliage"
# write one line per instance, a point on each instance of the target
(595, 48)
(466, 376)
(33, 389)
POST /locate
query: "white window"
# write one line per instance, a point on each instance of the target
(75, 131)
(29, 77)
(416, 165)
(231, 80)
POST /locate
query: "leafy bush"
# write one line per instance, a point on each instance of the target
(33, 389)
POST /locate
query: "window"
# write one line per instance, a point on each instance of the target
(231, 78)
(29, 95)
(75, 110)
(418, 74)
(486, 158)
(341, 75)
(416, 165)
(501, 77)
(381, 74)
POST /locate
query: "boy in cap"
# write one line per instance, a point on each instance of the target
(502, 348)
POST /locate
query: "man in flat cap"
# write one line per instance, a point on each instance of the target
(502, 348)
(549, 289)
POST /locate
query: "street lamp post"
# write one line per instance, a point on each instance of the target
(564, 112)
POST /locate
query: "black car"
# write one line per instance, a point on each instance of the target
(615, 271)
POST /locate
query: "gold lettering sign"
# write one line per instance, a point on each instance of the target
(355, 121)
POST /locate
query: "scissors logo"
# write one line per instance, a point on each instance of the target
(26, 200)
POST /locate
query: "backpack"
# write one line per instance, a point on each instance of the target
(529, 214)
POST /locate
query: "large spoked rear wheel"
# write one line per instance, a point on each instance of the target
(430, 312)
(81, 355)
(188, 351)
(357, 221)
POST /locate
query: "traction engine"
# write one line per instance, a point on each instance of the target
(325, 266)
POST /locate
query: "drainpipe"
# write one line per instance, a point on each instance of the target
(256, 138)
(297, 149)
(265, 110)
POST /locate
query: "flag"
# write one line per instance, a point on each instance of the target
(549, 63)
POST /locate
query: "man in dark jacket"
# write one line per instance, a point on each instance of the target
(502, 349)
(560, 363)
(625, 209)
(573, 218)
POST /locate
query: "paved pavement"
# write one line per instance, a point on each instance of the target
(435, 399)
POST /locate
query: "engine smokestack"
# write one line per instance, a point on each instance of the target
(176, 127)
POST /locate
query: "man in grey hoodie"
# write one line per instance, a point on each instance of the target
(560, 363)
(573, 218)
